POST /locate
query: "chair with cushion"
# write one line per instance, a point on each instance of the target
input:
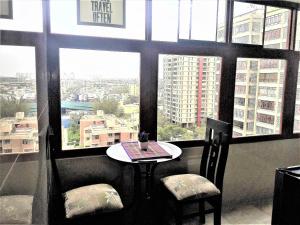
(206, 187)
(89, 204)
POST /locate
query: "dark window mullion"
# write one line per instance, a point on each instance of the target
(148, 91)
(54, 94)
(289, 98)
(148, 20)
(227, 86)
(229, 21)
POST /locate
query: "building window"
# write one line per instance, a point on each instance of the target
(27, 142)
(183, 107)
(99, 93)
(18, 103)
(7, 151)
(263, 98)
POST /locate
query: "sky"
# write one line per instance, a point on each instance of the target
(15, 59)
(109, 64)
(99, 64)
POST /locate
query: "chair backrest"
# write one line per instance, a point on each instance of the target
(215, 152)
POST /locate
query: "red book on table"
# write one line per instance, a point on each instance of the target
(154, 151)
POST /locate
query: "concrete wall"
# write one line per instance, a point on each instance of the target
(22, 178)
(249, 173)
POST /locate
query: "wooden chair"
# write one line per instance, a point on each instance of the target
(206, 187)
(90, 204)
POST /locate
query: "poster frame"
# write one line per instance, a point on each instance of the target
(79, 22)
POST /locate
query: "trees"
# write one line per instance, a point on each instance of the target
(9, 107)
(170, 132)
(73, 133)
(109, 106)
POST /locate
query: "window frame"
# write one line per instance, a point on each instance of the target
(47, 60)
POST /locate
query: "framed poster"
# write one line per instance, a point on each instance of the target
(110, 13)
(6, 9)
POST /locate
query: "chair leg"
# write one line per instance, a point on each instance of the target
(202, 212)
(217, 212)
(179, 213)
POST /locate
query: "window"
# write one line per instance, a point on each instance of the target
(277, 27)
(187, 95)
(98, 98)
(247, 22)
(267, 105)
(6, 9)
(18, 108)
(262, 107)
(297, 107)
(272, 34)
(24, 16)
(297, 44)
(164, 20)
(64, 21)
(202, 20)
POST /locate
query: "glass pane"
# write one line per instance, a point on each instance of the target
(297, 44)
(6, 9)
(248, 21)
(221, 21)
(99, 97)
(277, 28)
(164, 20)
(64, 21)
(297, 107)
(204, 18)
(258, 96)
(188, 93)
(27, 16)
(18, 109)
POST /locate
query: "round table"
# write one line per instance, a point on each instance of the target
(117, 152)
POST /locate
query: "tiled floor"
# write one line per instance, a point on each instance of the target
(250, 214)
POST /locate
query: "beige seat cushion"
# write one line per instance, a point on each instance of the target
(190, 186)
(91, 199)
(16, 209)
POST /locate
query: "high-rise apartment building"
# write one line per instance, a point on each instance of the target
(190, 88)
(191, 83)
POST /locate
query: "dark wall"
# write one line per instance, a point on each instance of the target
(249, 173)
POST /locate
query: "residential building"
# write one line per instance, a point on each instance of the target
(103, 130)
(18, 134)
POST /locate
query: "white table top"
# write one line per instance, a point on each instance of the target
(117, 152)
